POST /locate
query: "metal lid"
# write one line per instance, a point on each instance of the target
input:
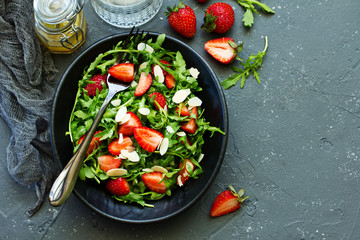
(56, 11)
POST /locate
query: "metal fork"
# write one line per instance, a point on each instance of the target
(65, 182)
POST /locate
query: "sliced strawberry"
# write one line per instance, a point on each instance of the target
(159, 98)
(154, 181)
(127, 128)
(226, 202)
(185, 171)
(108, 162)
(169, 81)
(144, 84)
(123, 72)
(163, 62)
(95, 142)
(118, 186)
(98, 81)
(190, 126)
(221, 50)
(184, 110)
(115, 147)
(148, 138)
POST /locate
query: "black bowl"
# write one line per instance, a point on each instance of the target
(95, 196)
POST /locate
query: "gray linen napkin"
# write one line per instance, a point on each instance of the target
(26, 91)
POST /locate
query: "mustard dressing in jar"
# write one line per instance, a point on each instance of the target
(60, 24)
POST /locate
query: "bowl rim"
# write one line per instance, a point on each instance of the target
(222, 148)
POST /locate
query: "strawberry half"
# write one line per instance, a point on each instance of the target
(222, 50)
(148, 138)
(127, 128)
(107, 162)
(118, 186)
(98, 83)
(190, 126)
(143, 85)
(115, 147)
(184, 173)
(123, 72)
(184, 110)
(227, 202)
(159, 98)
(169, 81)
(95, 142)
(182, 19)
(154, 181)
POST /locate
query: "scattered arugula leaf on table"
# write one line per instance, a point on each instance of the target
(252, 64)
(250, 9)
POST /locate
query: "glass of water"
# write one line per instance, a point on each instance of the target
(126, 13)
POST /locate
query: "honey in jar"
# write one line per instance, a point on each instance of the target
(60, 24)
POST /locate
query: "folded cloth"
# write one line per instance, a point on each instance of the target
(26, 91)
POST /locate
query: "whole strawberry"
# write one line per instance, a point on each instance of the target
(219, 18)
(227, 202)
(97, 82)
(182, 19)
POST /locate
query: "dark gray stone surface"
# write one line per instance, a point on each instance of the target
(293, 141)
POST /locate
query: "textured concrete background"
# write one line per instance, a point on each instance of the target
(293, 141)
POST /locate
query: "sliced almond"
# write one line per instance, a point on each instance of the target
(164, 145)
(179, 181)
(116, 102)
(159, 169)
(133, 156)
(143, 66)
(194, 102)
(144, 111)
(169, 129)
(133, 84)
(121, 138)
(148, 48)
(141, 46)
(121, 114)
(181, 95)
(116, 172)
(194, 72)
(147, 170)
(158, 72)
(181, 134)
(201, 157)
(130, 149)
(125, 119)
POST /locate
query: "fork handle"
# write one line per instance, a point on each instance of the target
(65, 182)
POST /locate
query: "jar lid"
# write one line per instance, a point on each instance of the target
(56, 11)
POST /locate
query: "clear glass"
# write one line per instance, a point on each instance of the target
(60, 24)
(126, 13)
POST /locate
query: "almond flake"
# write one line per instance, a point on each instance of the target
(181, 134)
(158, 72)
(143, 66)
(195, 102)
(179, 181)
(124, 154)
(164, 145)
(121, 114)
(133, 84)
(133, 156)
(148, 48)
(116, 102)
(147, 170)
(194, 72)
(144, 111)
(201, 157)
(170, 129)
(125, 119)
(181, 95)
(116, 172)
(141, 46)
(159, 169)
(121, 138)
(130, 149)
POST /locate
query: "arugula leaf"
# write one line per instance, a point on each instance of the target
(252, 64)
(250, 9)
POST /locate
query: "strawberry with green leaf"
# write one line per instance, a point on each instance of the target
(219, 18)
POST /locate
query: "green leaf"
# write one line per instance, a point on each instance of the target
(248, 18)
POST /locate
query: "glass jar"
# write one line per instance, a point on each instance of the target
(60, 24)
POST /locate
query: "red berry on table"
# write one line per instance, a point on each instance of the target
(127, 128)
(123, 72)
(190, 126)
(97, 82)
(95, 142)
(116, 146)
(108, 162)
(182, 19)
(154, 181)
(143, 85)
(222, 49)
(219, 18)
(148, 138)
(159, 98)
(118, 186)
(227, 202)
